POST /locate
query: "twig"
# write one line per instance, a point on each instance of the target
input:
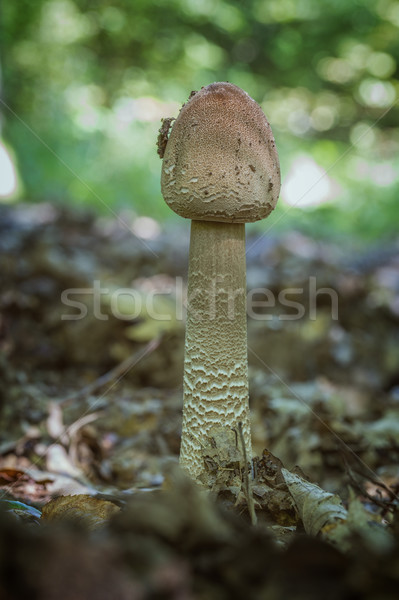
(385, 505)
(378, 482)
(250, 499)
(113, 374)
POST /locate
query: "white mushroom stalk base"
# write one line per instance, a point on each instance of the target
(216, 364)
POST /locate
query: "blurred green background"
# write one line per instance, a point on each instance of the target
(85, 84)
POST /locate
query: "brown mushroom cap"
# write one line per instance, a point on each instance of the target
(221, 162)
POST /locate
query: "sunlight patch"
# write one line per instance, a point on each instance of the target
(307, 184)
(8, 175)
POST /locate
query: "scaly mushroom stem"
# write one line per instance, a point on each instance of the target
(216, 364)
(221, 170)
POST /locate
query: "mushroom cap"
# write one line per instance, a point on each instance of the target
(221, 162)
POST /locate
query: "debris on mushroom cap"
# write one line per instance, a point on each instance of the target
(220, 161)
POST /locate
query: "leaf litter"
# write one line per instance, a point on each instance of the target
(91, 414)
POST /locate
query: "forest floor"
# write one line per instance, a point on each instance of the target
(91, 418)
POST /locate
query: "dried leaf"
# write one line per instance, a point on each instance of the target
(316, 507)
(55, 421)
(86, 510)
(361, 522)
(8, 476)
(57, 460)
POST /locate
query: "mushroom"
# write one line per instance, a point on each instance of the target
(221, 170)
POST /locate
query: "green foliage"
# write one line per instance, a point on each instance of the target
(88, 83)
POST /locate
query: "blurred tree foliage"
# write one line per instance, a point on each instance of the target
(87, 83)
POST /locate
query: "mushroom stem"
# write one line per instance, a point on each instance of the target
(220, 169)
(216, 364)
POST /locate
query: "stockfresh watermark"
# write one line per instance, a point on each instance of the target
(262, 303)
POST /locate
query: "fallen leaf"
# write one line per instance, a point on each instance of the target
(316, 507)
(91, 512)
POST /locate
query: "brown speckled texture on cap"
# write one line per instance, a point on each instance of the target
(220, 162)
